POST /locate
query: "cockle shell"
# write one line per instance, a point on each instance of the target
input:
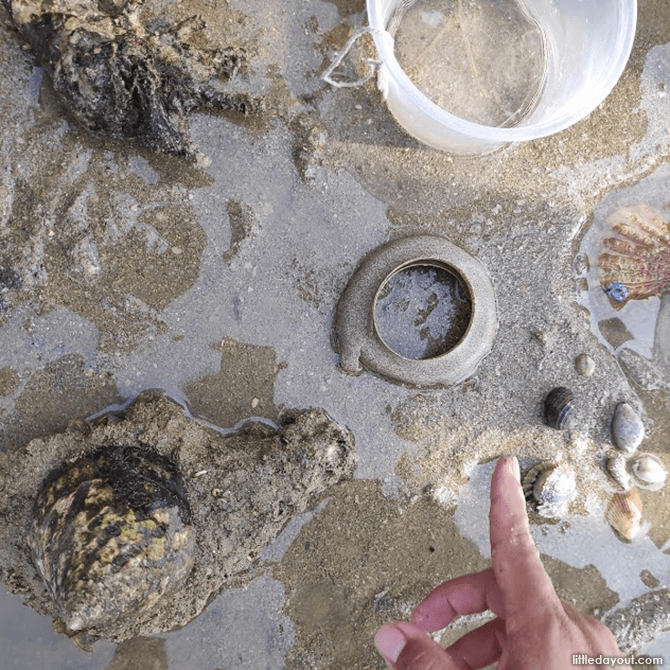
(111, 535)
(624, 513)
(558, 406)
(552, 485)
(617, 469)
(636, 262)
(627, 429)
(649, 471)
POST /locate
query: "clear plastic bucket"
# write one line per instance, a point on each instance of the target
(568, 54)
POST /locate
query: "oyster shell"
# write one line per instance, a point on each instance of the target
(636, 262)
(624, 514)
(552, 486)
(264, 475)
(112, 535)
(120, 80)
(558, 407)
(649, 471)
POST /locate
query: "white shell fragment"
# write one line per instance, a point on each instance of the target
(553, 486)
(618, 471)
(585, 365)
(627, 429)
(649, 472)
(624, 514)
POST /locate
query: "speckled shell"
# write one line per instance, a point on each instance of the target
(111, 535)
(617, 469)
(558, 407)
(624, 513)
(552, 486)
(649, 471)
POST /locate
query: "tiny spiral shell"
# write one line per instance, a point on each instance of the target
(618, 471)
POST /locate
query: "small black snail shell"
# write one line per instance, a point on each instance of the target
(558, 407)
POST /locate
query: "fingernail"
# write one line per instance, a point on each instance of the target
(390, 642)
(514, 468)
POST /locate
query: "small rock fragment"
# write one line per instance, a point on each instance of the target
(585, 365)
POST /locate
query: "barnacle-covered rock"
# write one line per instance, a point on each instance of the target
(242, 488)
(118, 79)
(111, 535)
(552, 486)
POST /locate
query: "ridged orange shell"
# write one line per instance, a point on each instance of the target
(624, 513)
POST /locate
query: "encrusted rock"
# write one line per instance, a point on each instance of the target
(263, 476)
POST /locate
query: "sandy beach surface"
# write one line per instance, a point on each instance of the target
(216, 280)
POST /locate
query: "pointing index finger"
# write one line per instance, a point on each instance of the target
(526, 590)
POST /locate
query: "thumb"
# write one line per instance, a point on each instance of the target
(405, 647)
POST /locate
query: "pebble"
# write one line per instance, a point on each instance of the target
(627, 429)
(585, 365)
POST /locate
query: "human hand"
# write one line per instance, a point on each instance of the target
(533, 629)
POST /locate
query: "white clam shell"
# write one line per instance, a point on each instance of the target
(649, 470)
(627, 429)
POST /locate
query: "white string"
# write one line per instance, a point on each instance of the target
(372, 63)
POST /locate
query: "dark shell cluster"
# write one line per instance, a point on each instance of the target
(118, 79)
(111, 534)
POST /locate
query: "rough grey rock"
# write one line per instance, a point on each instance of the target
(640, 622)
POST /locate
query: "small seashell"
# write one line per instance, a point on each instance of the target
(553, 486)
(617, 470)
(624, 513)
(558, 407)
(650, 472)
(627, 429)
(585, 365)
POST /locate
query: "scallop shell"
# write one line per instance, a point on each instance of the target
(553, 486)
(558, 407)
(636, 263)
(112, 535)
(649, 471)
(618, 471)
(624, 513)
